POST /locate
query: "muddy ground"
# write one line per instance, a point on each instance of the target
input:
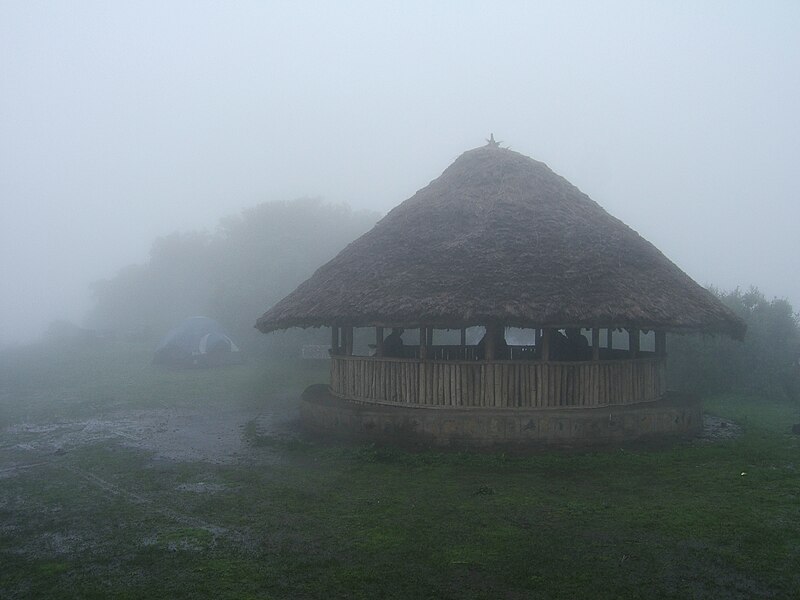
(176, 434)
(196, 435)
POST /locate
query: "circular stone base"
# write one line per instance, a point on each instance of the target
(673, 415)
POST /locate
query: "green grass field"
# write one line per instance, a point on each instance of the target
(87, 511)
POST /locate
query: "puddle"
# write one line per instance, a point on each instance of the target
(716, 429)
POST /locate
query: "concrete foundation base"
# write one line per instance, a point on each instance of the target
(673, 415)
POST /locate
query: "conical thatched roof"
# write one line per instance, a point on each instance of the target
(500, 238)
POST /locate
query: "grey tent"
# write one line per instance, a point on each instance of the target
(197, 342)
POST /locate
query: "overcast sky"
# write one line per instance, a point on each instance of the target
(123, 121)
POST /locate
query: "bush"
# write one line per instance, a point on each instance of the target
(765, 363)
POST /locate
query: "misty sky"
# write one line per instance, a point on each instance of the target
(123, 121)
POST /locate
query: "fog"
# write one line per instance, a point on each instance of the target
(121, 122)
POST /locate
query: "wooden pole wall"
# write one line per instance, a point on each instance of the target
(504, 384)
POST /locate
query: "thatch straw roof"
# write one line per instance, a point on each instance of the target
(500, 238)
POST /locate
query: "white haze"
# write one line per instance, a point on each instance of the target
(123, 121)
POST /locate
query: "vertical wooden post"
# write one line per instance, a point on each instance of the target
(379, 341)
(423, 343)
(610, 338)
(545, 344)
(463, 336)
(334, 340)
(537, 335)
(489, 342)
(429, 337)
(633, 341)
(348, 340)
(595, 343)
(661, 342)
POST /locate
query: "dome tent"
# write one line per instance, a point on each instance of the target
(197, 342)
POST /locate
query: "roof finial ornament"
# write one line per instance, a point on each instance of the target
(492, 143)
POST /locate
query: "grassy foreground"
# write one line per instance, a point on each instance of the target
(295, 518)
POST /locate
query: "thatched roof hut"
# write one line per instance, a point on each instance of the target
(499, 238)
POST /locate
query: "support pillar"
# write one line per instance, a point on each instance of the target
(348, 340)
(489, 342)
(661, 343)
(546, 344)
(334, 340)
(379, 341)
(595, 343)
(633, 341)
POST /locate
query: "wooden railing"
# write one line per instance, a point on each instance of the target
(500, 384)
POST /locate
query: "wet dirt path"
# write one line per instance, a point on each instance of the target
(179, 434)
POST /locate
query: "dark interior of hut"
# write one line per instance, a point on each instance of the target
(516, 344)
